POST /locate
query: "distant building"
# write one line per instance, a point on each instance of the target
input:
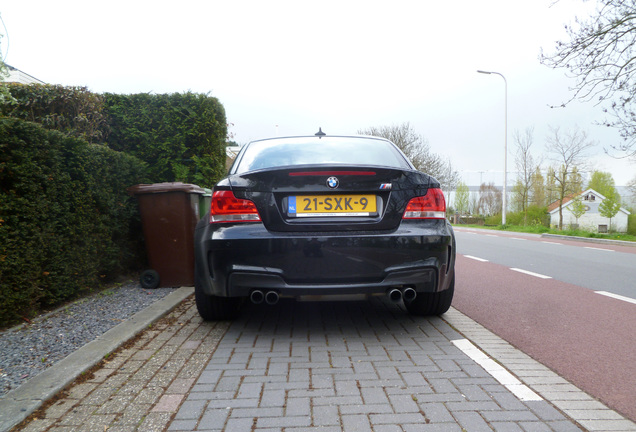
(17, 76)
(230, 154)
(591, 219)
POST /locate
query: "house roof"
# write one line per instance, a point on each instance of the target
(16, 75)
(554, 207)
(566, 199)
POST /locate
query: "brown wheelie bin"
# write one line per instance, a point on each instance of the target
(169, 214)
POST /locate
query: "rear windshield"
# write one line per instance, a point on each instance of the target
(328, 150)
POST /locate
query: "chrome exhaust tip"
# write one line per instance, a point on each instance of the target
(271, 298)
(395, 295)
(409, 294)
(257, 297)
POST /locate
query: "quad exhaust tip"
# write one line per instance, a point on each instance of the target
(407, 294)
(395, 295)
(257, 297)
(270, 297)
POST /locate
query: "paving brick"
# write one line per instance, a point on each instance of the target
(506, 427)
(325, 415)
(240, 425)
(133, 415)
(283, 422)
(155, 422)
(472, 421)
(366, 409)
(115, 405)
(508, 401)
(608, 425)
(148, 395)
(510, 416)
(404, 403)
(168, 403)
(182, 425)
(387, 428)
(356, 423)
(563, 426)
(60, 408)
(436, 412)
(191, 410)
(214, 419)
(233, 403)
(397, 418)
(256, 412)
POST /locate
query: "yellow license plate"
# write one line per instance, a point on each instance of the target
(331, 205)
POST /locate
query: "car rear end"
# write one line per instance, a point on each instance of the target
(324, 216)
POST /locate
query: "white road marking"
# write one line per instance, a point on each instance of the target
(475, 258)
(531, 273)
(549, 242)
(517, 238)
(491, 235)
(601, 249)
(508, 380)
(616, 296)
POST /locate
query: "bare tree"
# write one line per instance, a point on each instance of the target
(473, 206)
(601, 57)
(526, 168)
(577, 208)
(417, 149)
(568, 151)
(537, 192)
(631, 186)
(490, 201)
(462, 196)
(609, 207)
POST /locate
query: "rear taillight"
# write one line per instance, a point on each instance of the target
(227, 208)
(430, 206)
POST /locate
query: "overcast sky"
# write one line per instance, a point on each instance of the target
(287, 68)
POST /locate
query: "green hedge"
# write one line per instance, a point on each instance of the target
(66, 221)
(631, 224)
(535, 216)
(181, 137)
(73, 110)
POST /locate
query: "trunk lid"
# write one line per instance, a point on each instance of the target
(331, 198)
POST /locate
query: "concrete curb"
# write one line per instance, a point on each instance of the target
(591, 240)
(19, 403)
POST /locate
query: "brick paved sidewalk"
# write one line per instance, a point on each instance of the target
(141, 386)
(350, 366)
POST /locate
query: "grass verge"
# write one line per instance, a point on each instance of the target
(540, 229)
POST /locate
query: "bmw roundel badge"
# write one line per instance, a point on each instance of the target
(333, 182)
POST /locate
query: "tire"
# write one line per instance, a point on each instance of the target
(436, 303)
(149, 279)
(215, 308)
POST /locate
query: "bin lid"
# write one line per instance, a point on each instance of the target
(141, 189)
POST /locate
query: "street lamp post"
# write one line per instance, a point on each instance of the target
(503, 211)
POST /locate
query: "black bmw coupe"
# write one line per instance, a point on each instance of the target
(319, 216)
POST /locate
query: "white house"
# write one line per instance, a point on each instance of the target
(591, 219)
(16, 75)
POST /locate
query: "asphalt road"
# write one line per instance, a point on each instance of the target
(598, 267)
(543, 297)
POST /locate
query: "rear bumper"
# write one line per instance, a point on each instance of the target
(232, 261)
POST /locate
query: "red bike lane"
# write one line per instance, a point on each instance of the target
(587, 338)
